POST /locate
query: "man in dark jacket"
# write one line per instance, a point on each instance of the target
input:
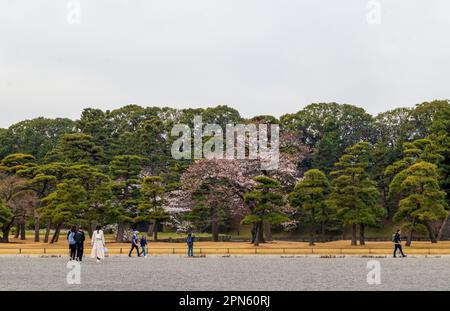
(398, 244)
(79, 241)
(190, 244)
(135, 244)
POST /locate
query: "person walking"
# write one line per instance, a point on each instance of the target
(72, 244)
(135, 244)
(79, 241)
(398, 243)
(190, 244)
(98, 244)
(144, 245)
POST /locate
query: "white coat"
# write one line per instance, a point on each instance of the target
(98, 244)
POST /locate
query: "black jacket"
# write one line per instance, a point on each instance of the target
(397, 238)
(79, 237)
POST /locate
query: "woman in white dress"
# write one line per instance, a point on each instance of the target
(98, 244)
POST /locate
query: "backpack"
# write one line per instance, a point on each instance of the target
(71, 238)
(393, 238)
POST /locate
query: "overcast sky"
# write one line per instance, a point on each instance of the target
(258, 56)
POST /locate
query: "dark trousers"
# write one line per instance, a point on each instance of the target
(398, 247)
(73, 251)
(80, 250)
(132, 247)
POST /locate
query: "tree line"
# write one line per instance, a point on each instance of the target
(340, 168)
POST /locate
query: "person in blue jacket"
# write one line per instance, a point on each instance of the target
(190, 244)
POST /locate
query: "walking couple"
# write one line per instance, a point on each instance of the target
(135, 242)
(76, 238)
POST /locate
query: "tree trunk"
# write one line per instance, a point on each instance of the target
(5, 231)
(155, 230)
(431, 232)
(90, 229)
(386, 201)
(22, 231)
(16, 234)
(257, 234)
(120, 232)
(48, 225)
(268, 231)
(322, 228)
(261, 232)
(254, 229)
(56, 234)
(409, 238)
(214, 224)
(312, 229)
(362, 240)
(150, 229)
(354, 235)
(36, 228)
(442, 229)
(5, 235)
(410, 235)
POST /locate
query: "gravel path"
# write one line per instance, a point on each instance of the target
(167, 272)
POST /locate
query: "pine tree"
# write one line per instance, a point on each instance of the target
(98, 193)
(125, 171)
(152, 191)
(355, 195)
(422, 201)
(310, 195)
(6, 220)
(76, 148)
(264, 201)
(65, 205)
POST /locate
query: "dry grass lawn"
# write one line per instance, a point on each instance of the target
(277, 247)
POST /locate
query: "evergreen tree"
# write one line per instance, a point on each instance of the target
(422, 201)
(152, 192)
(67, 204)
(42, 180)
(76, 148)
(125, 171)
(98, 193)
(264, 201)
(355, 195)
(310, 195)
(6, 221)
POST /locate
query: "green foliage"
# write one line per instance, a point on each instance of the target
(310, 195)
(329, 128)
(66, 204)
(152, 192)
(264, 201)
(17, 162)
(355, 195)
(124, 171)
(36, 137)
(76, 148)
(97, 186)
(102, 157)
(422, 200)
(5, 214)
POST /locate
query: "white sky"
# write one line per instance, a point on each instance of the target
(258, 56)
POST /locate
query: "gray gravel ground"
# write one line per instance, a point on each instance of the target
(171, 272)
